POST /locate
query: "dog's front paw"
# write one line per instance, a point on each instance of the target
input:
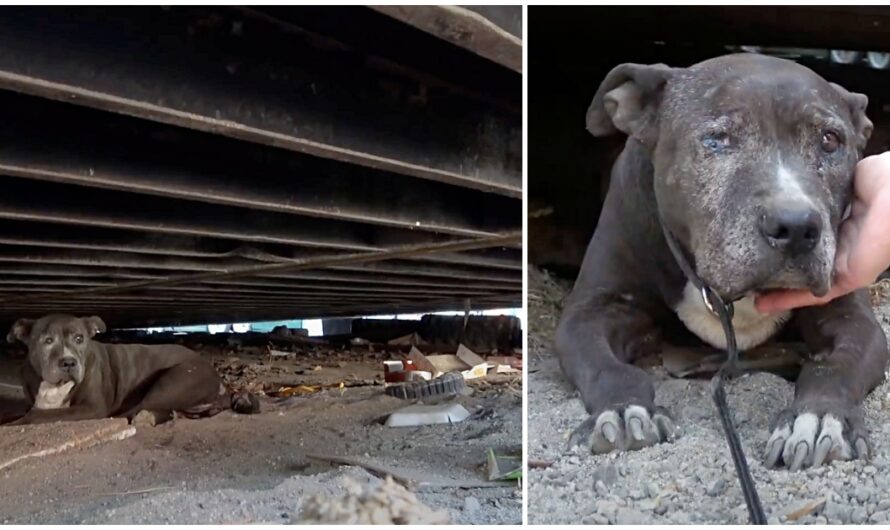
(624, 428)
(807, 437)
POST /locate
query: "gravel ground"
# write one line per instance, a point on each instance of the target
(690, 481)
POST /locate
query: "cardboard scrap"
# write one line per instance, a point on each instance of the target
(428, 367)
(775, 358)
(421, 361)
(446, 363)
(503, 360)
(478, 366)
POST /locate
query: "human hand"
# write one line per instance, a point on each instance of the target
(863, 246)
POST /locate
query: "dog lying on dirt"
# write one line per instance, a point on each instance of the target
(748, 160)
(69, 376)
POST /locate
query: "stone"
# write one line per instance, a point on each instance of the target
(629, 516)
(21, 442)
(716, 487)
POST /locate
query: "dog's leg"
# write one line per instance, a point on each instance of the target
(825, 421)
(192, 388)
(598, 336)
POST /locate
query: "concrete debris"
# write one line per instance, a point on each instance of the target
(388, 503)
(19, 443)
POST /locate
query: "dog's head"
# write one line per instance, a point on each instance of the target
(58, 345)
(753, 159)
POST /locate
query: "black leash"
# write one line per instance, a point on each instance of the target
(724, 312)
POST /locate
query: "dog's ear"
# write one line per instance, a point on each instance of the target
(627, 101)
(21, 330)
(857, 103)
(94, 325)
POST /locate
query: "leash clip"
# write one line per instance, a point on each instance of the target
(706, 293)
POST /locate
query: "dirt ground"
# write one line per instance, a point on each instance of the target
(692, 480)
(261, 468)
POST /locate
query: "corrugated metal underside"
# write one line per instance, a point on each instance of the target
(185, 165)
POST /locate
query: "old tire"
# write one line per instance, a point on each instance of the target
(447, 385)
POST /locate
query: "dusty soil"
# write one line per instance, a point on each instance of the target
(258, 468)
(692, 480)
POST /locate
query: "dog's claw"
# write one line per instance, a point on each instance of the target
(823, 447)
(666, 429)
(775, 446)
(610, 432)
(862, 449)
(636, 428)
(800, 453)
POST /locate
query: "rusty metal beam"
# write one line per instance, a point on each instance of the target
(151, 159)
(465, 28)
(116, 316)
(405, 251)
(118, 242)
(258, 84)
(308, 281)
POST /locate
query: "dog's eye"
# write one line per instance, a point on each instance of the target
(716, 142)
(830, 141)
(48, 340)
(78, 339)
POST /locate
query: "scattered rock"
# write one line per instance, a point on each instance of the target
(837, 512)
(388, 503)
(606, 473)
(717, 487)
(471, 504)
(805, 509)
(629, 516)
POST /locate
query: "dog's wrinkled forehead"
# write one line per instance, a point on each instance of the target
(754, 88)
(60, 325)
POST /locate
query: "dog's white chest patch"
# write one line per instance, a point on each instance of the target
(751, 326)
(51, 396)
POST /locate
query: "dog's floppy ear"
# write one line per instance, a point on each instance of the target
(857, 103)
(627, 100)
(94, 325)
(21, 330)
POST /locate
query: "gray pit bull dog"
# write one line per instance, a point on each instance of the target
(749, 161)
(69, 376)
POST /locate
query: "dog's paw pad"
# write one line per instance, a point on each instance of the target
(632, 428)
(144, 418)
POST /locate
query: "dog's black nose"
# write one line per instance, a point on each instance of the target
(67, 363)
(793, 230)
